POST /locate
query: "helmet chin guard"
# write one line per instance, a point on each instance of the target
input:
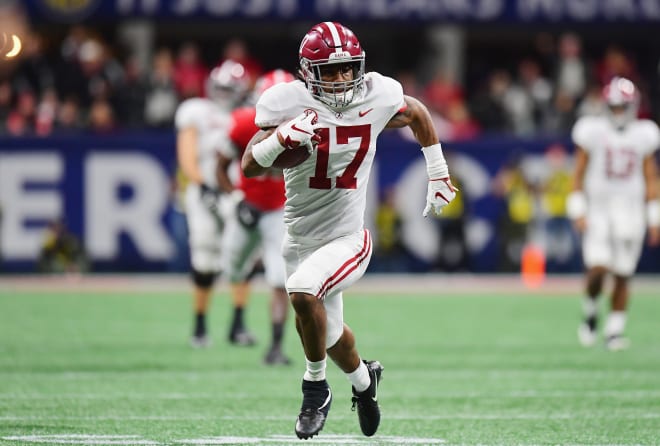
(331, 43)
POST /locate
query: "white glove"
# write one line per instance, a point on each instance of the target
(439, 194)
(300, 131)
(228, 203)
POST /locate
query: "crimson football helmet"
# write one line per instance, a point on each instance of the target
(622, 99)
(331, 43)
(228, 84)
(271, 78)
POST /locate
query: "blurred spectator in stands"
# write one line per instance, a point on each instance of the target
(513, 186)
(454, 255)
(71, 44)
(45, 114)
(615, 63)
(592, 103)
(61, 251)
(21, 120)
(189, 72)
(131, 98)
(517, 103)
(237, 50)
(571, 69)
(461, 125)
(545, 50)
(389, 251)
(441, 91)
(34, 71)
(101, 117)
(103, 75)
(563, 113)
(69, 75)
(68, 116)
(539, 90)
(560, 239)
(5, 104)
(488, 105)
(161, 98)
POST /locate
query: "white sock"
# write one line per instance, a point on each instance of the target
(315, 370)
(616, 323)
(360, 377)
(590, 306)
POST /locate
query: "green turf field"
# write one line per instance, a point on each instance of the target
(115, 368)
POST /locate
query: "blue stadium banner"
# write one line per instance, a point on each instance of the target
(455, 11)
(118, 195)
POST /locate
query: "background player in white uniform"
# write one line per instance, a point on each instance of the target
(613, 202)
(256, 224)
(338, 111)
(202, 125)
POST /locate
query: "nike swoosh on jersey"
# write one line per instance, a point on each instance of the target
(364, 113)
(298, 129)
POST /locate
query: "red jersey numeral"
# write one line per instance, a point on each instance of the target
(620, 163)
(348, 179)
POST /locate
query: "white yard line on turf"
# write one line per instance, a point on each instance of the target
(82, 439)
(227, 440)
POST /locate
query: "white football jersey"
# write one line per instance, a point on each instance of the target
(615, 169)
(212, 123)
(326, 194)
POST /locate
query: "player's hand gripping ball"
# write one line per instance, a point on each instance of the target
(300, 138)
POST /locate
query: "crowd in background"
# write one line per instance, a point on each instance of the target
(84, 82)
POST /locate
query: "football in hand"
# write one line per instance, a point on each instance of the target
(291, 157)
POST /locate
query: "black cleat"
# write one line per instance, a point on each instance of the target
(317, 398)
(367, 401)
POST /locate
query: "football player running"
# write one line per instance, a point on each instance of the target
(256, 220)
(202, 125)
(614, 200)
(338, 111)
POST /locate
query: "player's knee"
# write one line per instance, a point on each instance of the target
(203, 280)
(303, 303)
(337, 336)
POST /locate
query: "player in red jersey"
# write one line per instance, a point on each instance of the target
(256, 227)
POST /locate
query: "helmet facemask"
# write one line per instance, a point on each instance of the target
(336, 95)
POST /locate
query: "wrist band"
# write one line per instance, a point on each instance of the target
(436, 166)
(266, 151)
(576, 205)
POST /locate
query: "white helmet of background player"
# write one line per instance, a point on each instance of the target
(331, 43)
(622, 100)
(228, 84)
